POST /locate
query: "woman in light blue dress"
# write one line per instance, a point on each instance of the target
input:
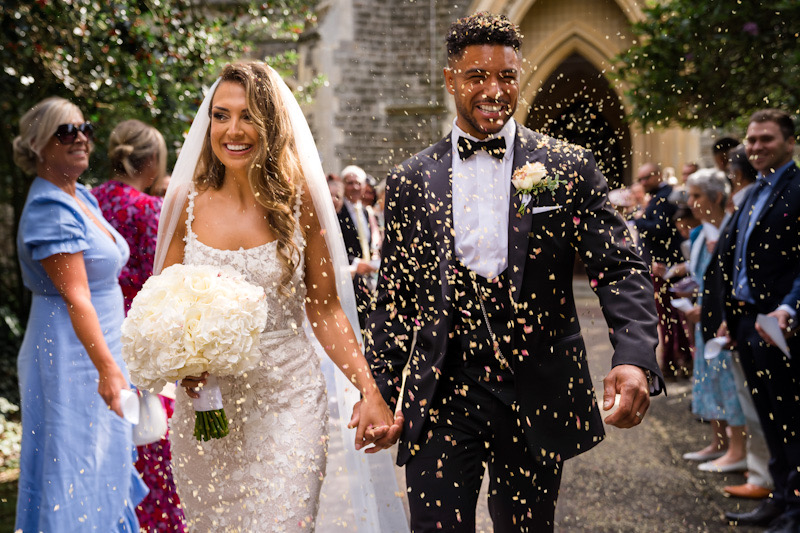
(77, 463)
(714, 395)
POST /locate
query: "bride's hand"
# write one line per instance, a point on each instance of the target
(391, 436)
(374, 423)
(191, 383)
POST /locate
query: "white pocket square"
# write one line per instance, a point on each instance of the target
(544, 209)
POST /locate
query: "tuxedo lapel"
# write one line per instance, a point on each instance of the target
(519, 225)
(439, 206)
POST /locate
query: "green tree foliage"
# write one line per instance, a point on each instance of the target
(119, 59)
(712, 63)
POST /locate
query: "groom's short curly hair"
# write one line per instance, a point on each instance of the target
(482, 28)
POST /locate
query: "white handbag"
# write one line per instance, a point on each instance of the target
(152, 424)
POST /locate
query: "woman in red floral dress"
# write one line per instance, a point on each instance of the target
(138, 156)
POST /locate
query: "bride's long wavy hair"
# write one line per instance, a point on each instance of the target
(275, 175)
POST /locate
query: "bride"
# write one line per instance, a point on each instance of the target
(256, 202)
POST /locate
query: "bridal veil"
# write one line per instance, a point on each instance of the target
(371, 478)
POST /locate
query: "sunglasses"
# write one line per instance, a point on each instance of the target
(68, 133)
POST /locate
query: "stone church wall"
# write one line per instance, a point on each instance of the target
(386, 98)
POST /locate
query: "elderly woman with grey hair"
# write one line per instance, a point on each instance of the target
(714, 395)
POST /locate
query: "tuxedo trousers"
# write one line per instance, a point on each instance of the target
(774, 382)
(470, 429)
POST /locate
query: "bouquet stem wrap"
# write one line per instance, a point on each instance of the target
(211, 421)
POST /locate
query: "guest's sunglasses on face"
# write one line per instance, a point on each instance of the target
(68, 133)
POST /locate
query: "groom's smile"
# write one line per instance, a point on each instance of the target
(484, 82)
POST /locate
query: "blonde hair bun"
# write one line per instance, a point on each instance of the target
(131, 147)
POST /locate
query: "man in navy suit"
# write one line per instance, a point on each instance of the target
(475, 301)
(660, 245)
(760, 264)
(659, 237)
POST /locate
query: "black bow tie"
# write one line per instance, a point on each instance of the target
(494, 147)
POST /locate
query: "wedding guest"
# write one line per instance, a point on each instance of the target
(720, 152)
(354, 222)
(640, 200)
(369, 197)
(687, 170)
(160, 186)
(77, 461)
(380, 206)
(337, 194)
(742, 176)
(685, 221)
(760, 264)
(660, 243)
(714, 396)
(138, 156)
(759, 484)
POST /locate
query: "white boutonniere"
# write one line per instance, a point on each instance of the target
(532, 179)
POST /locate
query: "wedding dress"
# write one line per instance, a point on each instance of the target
(267, 473)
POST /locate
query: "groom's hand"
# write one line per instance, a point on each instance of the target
(630, 382)
(391, 436)
(381, 437)
(365, 435)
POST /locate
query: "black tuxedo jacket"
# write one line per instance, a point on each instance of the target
(773, 250)
(412, 313)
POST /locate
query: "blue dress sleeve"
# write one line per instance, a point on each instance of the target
(54, 226)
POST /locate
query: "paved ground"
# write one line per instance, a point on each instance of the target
(635, 481)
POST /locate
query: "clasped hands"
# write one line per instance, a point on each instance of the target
(375, 426)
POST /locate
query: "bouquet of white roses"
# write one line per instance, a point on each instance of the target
(192, 319)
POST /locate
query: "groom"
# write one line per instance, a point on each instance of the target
(475, 295)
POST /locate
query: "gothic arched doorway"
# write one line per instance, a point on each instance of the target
(577, 104)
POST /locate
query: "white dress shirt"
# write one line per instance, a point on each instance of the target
(481, 189)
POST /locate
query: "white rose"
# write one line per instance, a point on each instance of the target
(537, 172)
(529, 176)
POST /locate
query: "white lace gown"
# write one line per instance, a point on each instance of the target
(266, 475)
